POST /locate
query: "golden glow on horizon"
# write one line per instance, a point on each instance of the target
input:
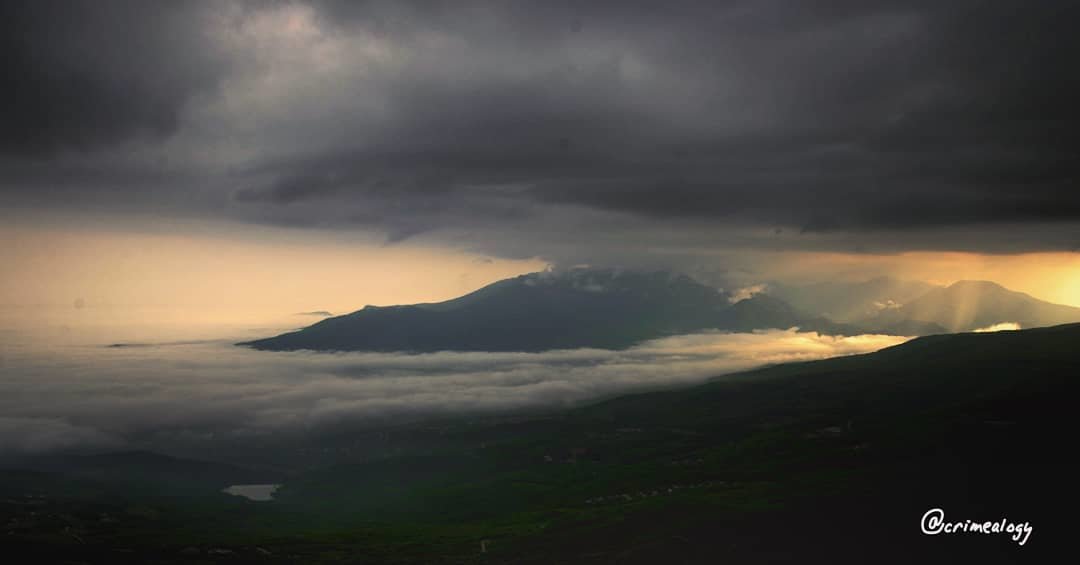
(1054, 277)
(256, 273)
(215, 271)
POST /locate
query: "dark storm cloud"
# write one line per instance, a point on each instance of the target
(830, 117)
(79, 74)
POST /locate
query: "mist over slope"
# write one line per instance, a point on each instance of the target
(850, 301)
(210, 398)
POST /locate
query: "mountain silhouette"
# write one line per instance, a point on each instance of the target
(584, 307)
(970, 305)
(850, 301)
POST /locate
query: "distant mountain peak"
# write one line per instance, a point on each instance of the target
(604, 307)
(605, 279)
(968, 305)
(978, 284)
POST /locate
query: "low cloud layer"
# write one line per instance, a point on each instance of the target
(202, 393)
(1003, 326)
(36, 436)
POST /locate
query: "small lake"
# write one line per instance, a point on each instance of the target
(260, 493)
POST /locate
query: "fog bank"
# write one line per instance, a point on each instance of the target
(98, 397)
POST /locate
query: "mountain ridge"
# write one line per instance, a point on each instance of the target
(968, 305)
(611, 308)
(602, 308)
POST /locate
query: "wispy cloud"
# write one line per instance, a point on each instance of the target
(1003, 326)
(746, 292)
(31, 436)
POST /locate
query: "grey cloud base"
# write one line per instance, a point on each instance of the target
(860, 125)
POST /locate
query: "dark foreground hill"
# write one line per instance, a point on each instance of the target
(831, 461)
(146, 470)
(602, 308)
(827, 461)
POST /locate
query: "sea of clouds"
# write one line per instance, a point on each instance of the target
(89, 396)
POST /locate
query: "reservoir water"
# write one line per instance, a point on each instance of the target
(259, 493)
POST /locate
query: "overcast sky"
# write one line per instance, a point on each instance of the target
(597, 132)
